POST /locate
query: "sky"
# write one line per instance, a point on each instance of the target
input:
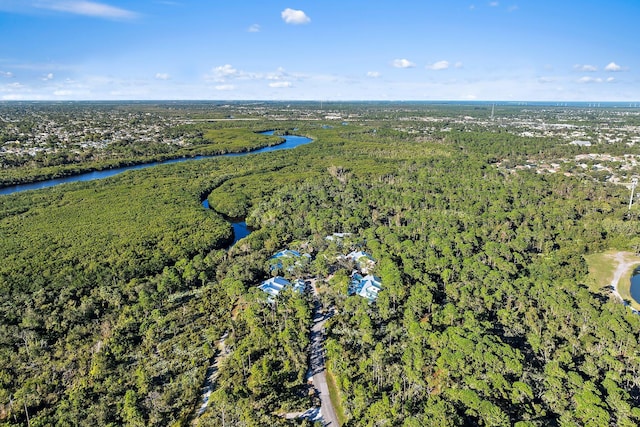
(511, 50)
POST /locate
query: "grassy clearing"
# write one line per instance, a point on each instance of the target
(602, 267)
(334, 394)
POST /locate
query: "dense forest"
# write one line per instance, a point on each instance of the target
(115, 293)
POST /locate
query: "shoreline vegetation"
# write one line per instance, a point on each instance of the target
(484, 229)
(212, 144)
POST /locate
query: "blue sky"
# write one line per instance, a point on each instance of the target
(320, 50)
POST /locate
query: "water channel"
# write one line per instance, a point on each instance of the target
(240, 228)
(291, 141)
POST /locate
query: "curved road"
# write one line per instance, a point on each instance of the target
(624, 266)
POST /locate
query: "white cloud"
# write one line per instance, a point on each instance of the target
(611, 79)
(590, 80)
(47, 77)
(225, 87)
(162, 76)
(585, 68)
(280, 74)
(613, 67)
(440, 65)
(7, 74)
(373, 74)
(494, 4)
(513, 8)
(63, 93)
(87, 8)
(227, 73)
(295, 17)
(255, 28)
(459, 65)
(403, 63)
(545, 80)
(280, 84)
(222, 73)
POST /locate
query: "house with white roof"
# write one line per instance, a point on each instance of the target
(274, 286)
(367, 287)
(277, 284)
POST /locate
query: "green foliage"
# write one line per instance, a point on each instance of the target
(115, 293)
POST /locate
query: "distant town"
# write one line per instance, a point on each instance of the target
(47, 134)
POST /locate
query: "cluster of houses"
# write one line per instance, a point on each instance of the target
(286, 260)
(362, 283)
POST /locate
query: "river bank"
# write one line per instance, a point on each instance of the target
(76, 174)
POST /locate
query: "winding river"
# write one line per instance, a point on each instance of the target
(240, 228)
(291, 141)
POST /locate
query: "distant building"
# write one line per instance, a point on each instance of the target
(581, 143)
(337, 236)
(367, 287)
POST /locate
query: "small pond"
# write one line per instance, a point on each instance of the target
(635, 285)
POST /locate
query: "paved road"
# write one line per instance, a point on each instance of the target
(330, 419)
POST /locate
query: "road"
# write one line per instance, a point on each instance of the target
(625, 264)
(211, 376)
(317, 365)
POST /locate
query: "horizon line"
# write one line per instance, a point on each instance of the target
(501, 101)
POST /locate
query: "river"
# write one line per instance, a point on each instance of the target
(291, 141)
(240, 228)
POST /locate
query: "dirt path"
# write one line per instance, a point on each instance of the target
(626, 261)
(212, 374)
